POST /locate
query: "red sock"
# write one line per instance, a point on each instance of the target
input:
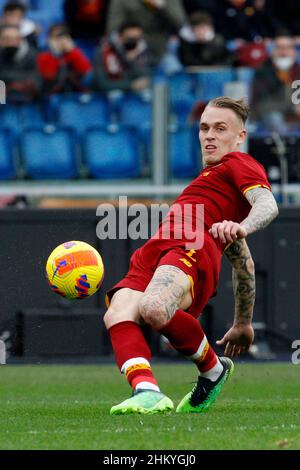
(133, 355)
(186, 336)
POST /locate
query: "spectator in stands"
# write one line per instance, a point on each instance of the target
(243, 20)
(199, 43)
(122, 61)
(64, 67)
(159, 20)
(86, 18)
(272, 90)
(14, 13)
(286, 14)
(251, 54)
(199, 5)
(262, 24)
(18, 66)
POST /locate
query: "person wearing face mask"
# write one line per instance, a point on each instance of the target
(18, 66)
(63, 67)
(122, 61)
(199, 43)
(159, 19)
(272, 86)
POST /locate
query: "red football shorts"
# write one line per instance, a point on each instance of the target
(201, 266)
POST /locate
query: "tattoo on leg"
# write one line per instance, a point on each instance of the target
(162, 297)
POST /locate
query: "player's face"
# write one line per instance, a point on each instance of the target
(221, 132)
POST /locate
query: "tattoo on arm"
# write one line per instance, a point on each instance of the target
(243, 280)
(164, 295)
(264, 209)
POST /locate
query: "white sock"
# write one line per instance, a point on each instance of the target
(147, 386)
(214, 373)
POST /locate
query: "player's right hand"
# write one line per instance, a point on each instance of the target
(228, 231)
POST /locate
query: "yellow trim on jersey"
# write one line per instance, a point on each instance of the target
(186, 262)
(190, 254)
(256, 186)
(192, 285)
(107, 301)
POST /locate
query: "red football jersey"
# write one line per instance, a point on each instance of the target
(221, 189)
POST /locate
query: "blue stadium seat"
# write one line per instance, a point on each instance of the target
(182, 86)
(10, 118)
(184, 152)
(48, 153)
(7, 164)
(211, 83)
(81, 111)
(15, 117)
(181, 109)
(32, 115)
(88, 47)
(52, 7)
(44, 20)
(298, 54)
(136, 111)
(112, 152)
(246, 75)
(2, 3)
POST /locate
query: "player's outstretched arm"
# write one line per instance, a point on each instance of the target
(240, 337)
(264, 210)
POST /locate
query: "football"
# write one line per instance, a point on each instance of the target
(75, 270)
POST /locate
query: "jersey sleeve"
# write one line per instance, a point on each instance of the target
(246, 173)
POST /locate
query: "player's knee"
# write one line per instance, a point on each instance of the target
(113, 316)
(152, 312)
(123, 307)
(108, 317)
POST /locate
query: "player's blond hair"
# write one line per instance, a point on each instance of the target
(239, 107)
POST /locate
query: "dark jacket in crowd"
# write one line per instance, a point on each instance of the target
(19, 72)
(272, 91)
(213, 52)
(285, 14)
(86, 18)
(157, 24)
(246, 22)
(111, 69)
(200, 5)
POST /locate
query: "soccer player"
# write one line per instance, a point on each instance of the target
(167, 285)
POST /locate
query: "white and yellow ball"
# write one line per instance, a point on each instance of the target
(75, 270)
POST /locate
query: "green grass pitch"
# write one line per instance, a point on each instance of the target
(67, 407)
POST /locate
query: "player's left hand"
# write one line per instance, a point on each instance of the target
(237, 340)
(228, 231)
